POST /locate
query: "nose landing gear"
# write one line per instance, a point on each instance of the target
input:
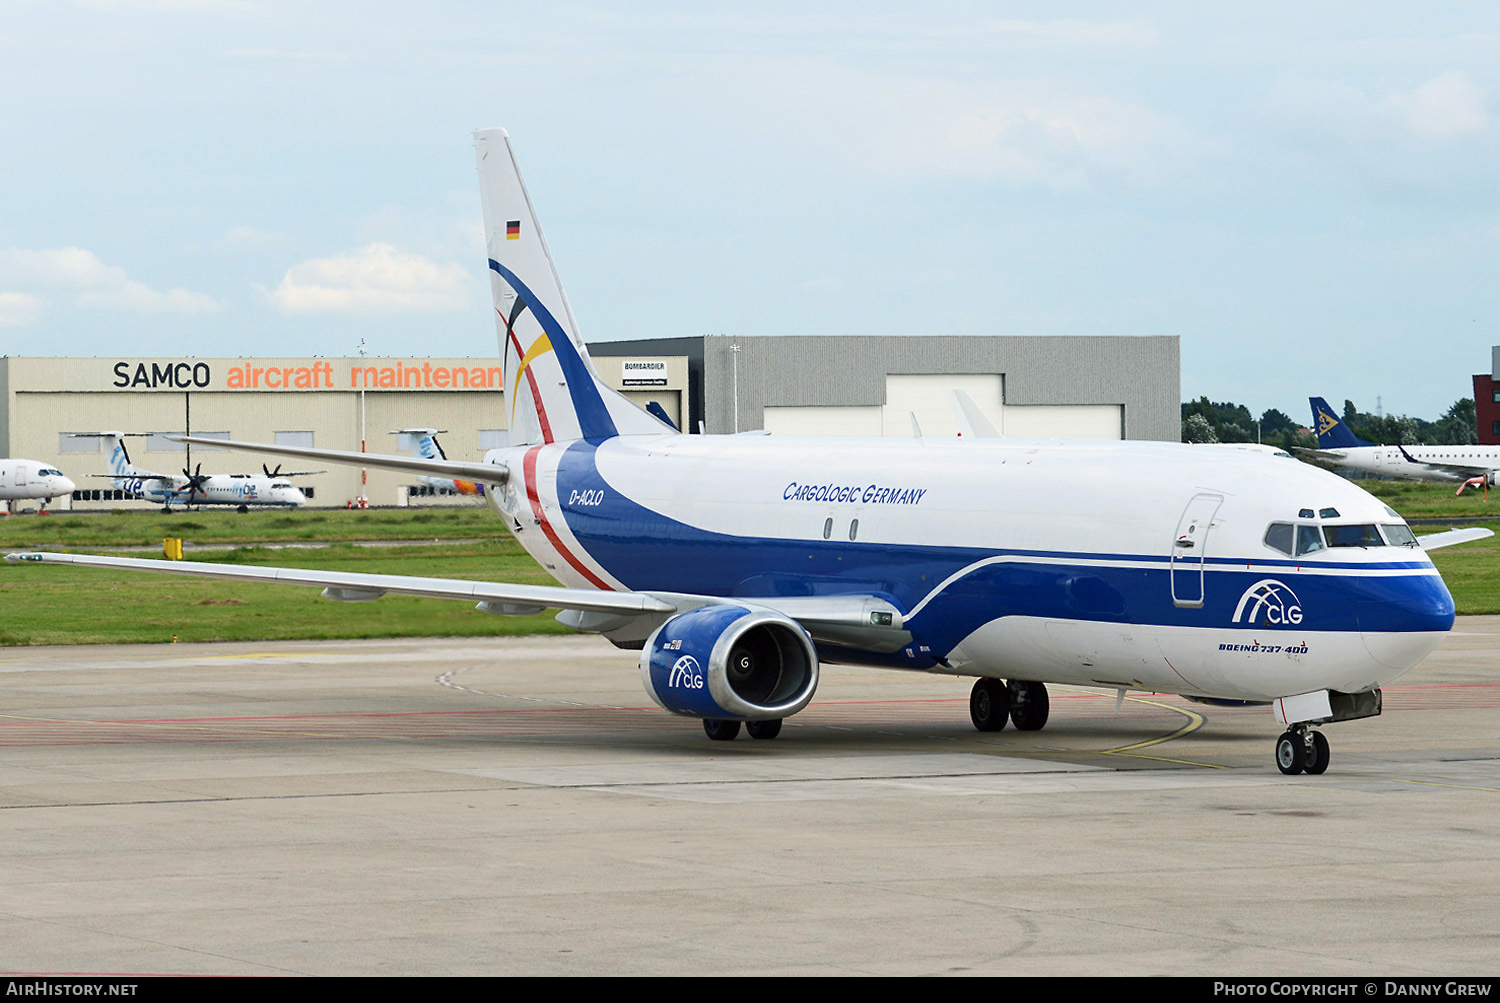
(1302, 750)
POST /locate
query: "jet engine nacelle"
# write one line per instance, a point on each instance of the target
(731, 663)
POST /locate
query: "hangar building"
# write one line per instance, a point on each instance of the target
(323, 402)
(1029, 387)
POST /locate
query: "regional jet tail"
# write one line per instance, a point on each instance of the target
(1332, 433)
(423, 443)
(739, 565)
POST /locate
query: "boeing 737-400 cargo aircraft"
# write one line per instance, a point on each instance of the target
(741, 565)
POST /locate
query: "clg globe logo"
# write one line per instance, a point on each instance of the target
(686, 674)
(1271, 603)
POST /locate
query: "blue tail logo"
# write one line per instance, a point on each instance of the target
(1332, 433)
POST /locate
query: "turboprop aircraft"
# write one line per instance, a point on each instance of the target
(23, 479)
(1341, 447)
(740, 565)
(424, 444)
(196, 487)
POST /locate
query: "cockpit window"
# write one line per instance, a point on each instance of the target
(1362, 535)
(1305, 513)
(1279, 537)
(1399, 535)
(1309, 540)
(1328, 513)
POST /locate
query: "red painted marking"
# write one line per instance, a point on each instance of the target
(536, 395)
(529, 466)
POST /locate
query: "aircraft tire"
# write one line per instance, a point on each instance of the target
(721, 730)
(1316, 761)
(989, 704)
(1291, 753)
(1029, 705)
(243, 509)
(764, 729)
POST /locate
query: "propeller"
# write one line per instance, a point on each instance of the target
(196, 478)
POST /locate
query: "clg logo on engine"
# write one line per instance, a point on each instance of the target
(1271, 603)
(686, 674)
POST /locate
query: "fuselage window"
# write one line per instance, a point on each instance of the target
(1365, 535)
(1399, 535)
(853, 528)
(828, 527)
(1309, 540)
(1279, 537)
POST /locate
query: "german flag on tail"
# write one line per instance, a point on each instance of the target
(513, 230)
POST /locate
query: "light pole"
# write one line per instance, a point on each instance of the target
(735, 361)
(363, 501)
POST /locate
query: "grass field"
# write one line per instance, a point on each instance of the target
(146, 527)
(62, 605)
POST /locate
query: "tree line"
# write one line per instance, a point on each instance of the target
(1204, 420)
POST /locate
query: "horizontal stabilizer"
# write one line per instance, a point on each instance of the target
(482, 473)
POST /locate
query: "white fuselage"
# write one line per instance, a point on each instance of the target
(1139, 565)
(21, 479)
(1433, 463)
(219, 489)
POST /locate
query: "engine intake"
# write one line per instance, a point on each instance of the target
(730, 662)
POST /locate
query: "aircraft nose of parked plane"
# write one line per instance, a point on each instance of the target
(1405, 622)
(64, 485)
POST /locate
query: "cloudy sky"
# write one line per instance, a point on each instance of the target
(1306, 193)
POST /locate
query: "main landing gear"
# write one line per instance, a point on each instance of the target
(1301, 750)
(727, 731)
(995, 701)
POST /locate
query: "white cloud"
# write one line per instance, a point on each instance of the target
(1022, 131)
(132, 295)
(375, 278)
(57, 268)
(19, 309)
(74, 270)
(1446, 105)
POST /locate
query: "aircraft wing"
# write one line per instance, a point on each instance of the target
(143, 478)
(353, 587)
(1332, 455)
(483, 473)
(1436, 541)
(855, 621)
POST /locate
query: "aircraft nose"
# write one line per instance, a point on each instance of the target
(1404, 624)
(65, 486)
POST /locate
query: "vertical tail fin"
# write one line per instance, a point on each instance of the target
(552, 391)
(421, 442)
(1332, 433)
